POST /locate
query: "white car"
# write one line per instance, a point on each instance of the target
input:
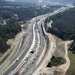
(17, 59)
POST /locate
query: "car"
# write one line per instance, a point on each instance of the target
(27, 67)
(17, 59)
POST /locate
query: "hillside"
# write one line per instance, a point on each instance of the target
(63, 26)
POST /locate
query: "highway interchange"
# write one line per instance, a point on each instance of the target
(25, 63)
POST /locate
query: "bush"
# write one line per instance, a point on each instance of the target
(56, 61)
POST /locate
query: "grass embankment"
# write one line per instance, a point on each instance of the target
(4, 59)
(57, 73)
(71, 70)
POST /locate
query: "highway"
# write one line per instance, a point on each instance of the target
(36, 35)
(15, 50)
(22, 56)
(10, 70)
(31, 67)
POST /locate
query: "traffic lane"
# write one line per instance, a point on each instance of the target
(34, 60)
(10, 57)
(15, 65)
(20, 59)
(28, 69)
(13, 53)
(17, 62)
(17, 48)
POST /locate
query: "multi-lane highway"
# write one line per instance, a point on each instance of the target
(32, 66)
(13, 52)
(33, 50)
(22, 56)
(17, 62)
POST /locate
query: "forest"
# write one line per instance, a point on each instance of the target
(56, 61)
(14, 15)
(7, 32)
(24, 13)
(63, 26)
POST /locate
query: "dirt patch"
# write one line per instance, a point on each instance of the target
(1, 54)
(61, 51)
(10, 41)
(60, 47)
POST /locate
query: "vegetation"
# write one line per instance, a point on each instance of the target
(71, 70)
(57, 73)
(56, 61)
(16, 73)
(22, 13)
(7, 32)
(14, 14)
(72, 47)
(3, 45)
(63, 26)
(4, 59)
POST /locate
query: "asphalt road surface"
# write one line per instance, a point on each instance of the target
(22, 56)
